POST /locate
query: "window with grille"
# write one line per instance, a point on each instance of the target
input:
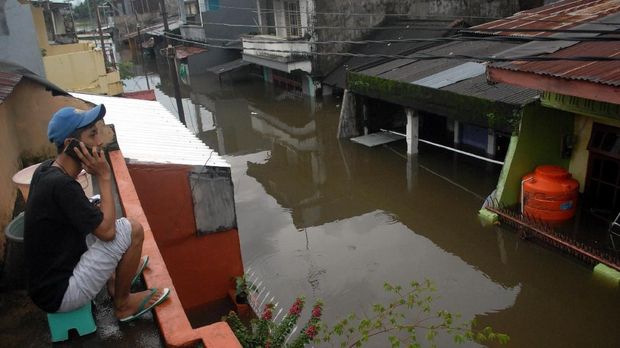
(192, 12)
(293, 19)
(603, 179)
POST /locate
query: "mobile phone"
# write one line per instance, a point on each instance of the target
(71, 149)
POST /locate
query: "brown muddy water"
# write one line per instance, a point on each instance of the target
(326, 218)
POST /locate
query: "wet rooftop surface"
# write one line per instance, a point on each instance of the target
(24, 325)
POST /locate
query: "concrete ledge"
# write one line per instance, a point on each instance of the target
(171, 318)
(607, 274)
(487, 217)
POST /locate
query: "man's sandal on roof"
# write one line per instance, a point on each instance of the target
(142, 309)
(143, 264)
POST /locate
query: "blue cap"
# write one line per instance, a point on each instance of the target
(66, 120)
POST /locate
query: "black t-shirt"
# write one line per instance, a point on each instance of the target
(57, 220)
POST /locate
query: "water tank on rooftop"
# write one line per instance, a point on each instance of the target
(14, 272)
(550, 194)
(23, 177)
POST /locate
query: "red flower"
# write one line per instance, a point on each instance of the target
(316, 312)
(295, 310)
(296, 307)
(268, 312)
(311, 331)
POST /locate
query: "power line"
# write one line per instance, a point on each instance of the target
(416, 56)
(405, 15)
(419, 27)
(502, 38)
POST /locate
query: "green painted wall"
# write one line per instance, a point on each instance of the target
(538, 141)
(468, 109)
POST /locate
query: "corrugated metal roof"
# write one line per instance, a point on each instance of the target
(476, 86)
(158, 29)
(338, 76)
(562, 15)
(228, 66)
(500, 92)
(147, 132)
(607, 73)
(8, 81)
(183, 52)
(453, 75)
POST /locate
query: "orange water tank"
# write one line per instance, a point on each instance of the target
(550, 194)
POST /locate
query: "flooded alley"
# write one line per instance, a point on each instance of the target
(331, 219)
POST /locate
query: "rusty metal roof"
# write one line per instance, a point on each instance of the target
(561, 15)
(8, 81)
(183, 52)
(607, 73)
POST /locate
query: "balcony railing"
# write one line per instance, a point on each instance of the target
(268, 45)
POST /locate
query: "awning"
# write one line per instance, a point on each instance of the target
(227, 67)
(279, 63)
(183, 52)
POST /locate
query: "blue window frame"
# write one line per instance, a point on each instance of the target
(213, 5)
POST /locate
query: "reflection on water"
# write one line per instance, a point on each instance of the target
(331, 219)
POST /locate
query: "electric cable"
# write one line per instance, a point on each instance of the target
(406, 15)
(489, 31)
(415, 56)
(432, 39)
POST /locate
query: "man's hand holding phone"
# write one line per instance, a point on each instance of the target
(93, 161)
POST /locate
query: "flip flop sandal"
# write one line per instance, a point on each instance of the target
(142, 309)
(136, 278)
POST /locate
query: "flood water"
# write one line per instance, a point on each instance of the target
(326, 218)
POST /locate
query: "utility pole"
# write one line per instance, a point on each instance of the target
(170, 54)
(260, 17)
(141, 59)
(105, 56)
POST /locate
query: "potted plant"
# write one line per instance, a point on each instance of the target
(241, 294)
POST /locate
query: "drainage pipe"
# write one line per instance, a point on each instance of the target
(448, 148)
(522, 198)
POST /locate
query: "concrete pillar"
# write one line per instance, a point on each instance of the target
(412, 131)
(347, 127)
(308, 88)
(491, 143)
(365, 115)
(327, 90)
(457, 132)
(412, 172)
(267, 75)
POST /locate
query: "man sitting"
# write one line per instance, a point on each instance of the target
(65, 272)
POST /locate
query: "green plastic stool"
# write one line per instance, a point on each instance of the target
(80, 319)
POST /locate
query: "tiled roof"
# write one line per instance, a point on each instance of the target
(8, 81)
(601, 72)
(560, 15)
(147, 132)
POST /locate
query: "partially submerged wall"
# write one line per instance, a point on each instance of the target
(538, 142)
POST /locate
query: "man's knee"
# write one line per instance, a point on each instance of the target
(137, 231)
